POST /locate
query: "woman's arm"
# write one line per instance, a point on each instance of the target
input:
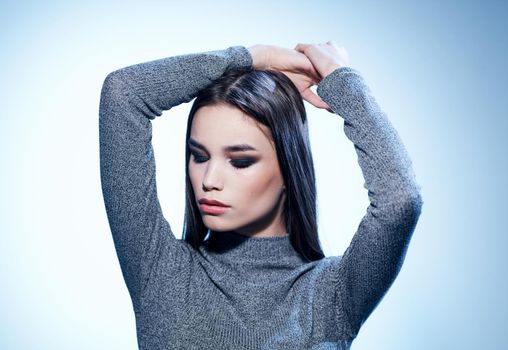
(373, 259)
(130, 98)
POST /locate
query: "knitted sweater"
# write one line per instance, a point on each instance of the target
(241, 292)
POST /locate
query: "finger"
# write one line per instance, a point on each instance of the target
(309, 67)
(301, 47)
(314, 74)
(333, 44)
(314, 99)
(305, 65)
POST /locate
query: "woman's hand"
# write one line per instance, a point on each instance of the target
(295, 65)
(325, 57)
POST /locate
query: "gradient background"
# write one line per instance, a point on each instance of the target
(438, 69)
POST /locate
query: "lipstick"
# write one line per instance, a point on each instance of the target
(210, 206)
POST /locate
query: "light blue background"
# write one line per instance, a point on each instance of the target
(438, 69)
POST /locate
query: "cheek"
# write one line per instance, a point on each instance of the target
(264, 187)
(193, 175)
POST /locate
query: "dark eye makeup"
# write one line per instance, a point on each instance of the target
(242, 163)
(237, 163)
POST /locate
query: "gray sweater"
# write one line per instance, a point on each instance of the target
(239, 292)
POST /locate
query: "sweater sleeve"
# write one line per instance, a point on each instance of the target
(130, 98)
(374, 257)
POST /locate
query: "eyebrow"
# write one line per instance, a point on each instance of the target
(233, 148)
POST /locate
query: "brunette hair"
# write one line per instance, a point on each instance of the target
(272, 99)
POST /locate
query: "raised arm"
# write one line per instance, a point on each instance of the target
(130, 98)
(374, 257)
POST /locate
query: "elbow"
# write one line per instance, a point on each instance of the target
(114, 85)
(414, 203)
(410, 209)
(403, 209)
(115, 92)
(410, 201)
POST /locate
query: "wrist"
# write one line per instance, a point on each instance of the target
(258, 54)
(331, 68)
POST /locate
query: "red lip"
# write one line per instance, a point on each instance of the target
(212, 202)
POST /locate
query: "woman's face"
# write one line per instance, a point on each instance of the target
(233, 161)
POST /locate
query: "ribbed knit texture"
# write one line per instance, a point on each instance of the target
(236, 292)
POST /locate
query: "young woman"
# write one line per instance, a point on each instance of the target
(249, 272)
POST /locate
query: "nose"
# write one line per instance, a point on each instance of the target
(212, 178)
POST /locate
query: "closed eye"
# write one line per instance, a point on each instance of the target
(242, 163)
(197, 158)
(239, 163)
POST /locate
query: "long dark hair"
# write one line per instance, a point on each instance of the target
(272, 99)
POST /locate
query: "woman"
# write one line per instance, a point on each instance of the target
(249, 272)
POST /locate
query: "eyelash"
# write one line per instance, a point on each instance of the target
(238, 164)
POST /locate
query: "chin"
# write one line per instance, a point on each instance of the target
(216, 224)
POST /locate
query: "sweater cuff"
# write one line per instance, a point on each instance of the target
(240, 57)
(338, 87)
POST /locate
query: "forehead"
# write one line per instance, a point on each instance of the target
(220, 125)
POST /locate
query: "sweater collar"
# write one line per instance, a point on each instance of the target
(236, 250)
